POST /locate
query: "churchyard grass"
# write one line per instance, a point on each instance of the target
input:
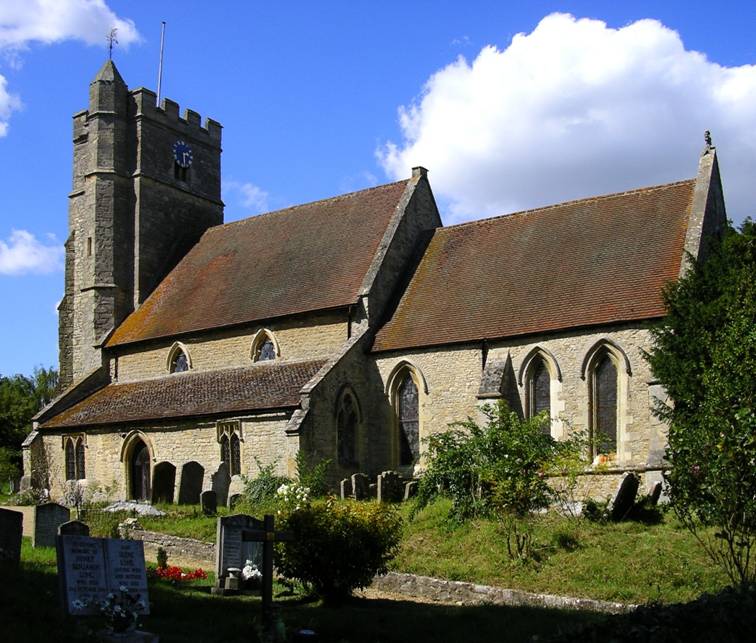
(29, 611)
(628, 561)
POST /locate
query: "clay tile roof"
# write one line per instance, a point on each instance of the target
(305, 258)
(582, 263)
(252, 388)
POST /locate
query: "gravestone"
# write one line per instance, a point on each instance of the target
(25, 484)
(91, 568)
(373, 490)
(655, 494)
(47, 519)
(163, 482)
(73, 528)
(360, 486)
(220, 482)
(234, 499)
(209, 502)
(345, 489)
(624, 499)
(389, 487)
(410, 489)
(11, 529)
(190, 487)
(230, 550)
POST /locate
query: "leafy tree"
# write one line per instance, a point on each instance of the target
(705, 356)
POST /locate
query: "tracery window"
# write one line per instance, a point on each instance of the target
(229, 439)
(604, 404)
(408, 407)
(538, 388)
(347, 421)
(74, 457)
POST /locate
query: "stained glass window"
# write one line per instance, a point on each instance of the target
(180, 363)
(346, 426)
(605, 406)
(409, 421)
(70, 461)
(235, 462)
(266, 351)
(80, 470)
(539, 389)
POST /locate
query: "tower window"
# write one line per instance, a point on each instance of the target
(89, 246)
(180, 173)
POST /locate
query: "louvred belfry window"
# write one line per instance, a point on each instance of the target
(409, 421)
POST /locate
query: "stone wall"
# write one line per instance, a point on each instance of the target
(108, 451)
(453, 376)
(306, 337)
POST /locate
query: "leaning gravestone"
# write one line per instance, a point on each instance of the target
(234, 499)
(220, 481)
(47, 519)
(389, 487)
(655, 494)
(209, 502)
(360, 486)
(91, 568)
(73, 528)
(231, 552)
(624, 499)
(410, 489)
(345, 489)
(11, 529)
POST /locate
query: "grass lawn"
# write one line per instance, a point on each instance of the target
(29, 612)
(628, 562)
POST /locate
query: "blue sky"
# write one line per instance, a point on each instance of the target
(322, 98)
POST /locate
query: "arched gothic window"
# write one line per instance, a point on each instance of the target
(70, 460)
(80, 469)
(74, 456)
(235, 461)
(538, 388)
(179, 362)
(229, 439)
(408, 413)
(347, 420)
(604, 404)
(264, 347)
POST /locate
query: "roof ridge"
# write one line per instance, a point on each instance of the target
(553, 206)
(301, 205)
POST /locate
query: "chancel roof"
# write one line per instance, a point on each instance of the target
(582, 263)
(268, 385)
(305, 258)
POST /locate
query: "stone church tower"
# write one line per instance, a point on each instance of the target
(146, 186)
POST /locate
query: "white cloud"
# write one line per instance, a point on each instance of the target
(8, 103)
(573, 109)
(23, 253)
(50, 21)
(247, 194)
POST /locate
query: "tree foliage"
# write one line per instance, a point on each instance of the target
(705, 356)
(502, 466)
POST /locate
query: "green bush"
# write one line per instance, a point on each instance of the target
(339, 545)
(705, 356)
(502, 466)
(314, 476)
(261, 490)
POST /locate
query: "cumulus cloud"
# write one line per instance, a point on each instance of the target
(23, 253)
(248, 195)
(50, 21)
(576, 108)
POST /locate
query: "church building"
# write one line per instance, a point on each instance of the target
(347, 329)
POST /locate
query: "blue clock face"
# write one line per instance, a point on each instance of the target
(182, 153)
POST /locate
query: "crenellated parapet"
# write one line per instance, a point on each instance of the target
(144, 104)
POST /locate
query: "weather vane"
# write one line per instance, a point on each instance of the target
(112, 40)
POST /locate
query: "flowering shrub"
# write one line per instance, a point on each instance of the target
(292, 497)
(177, 575)
(338, 545)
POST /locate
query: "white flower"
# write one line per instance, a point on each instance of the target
(123, 588)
